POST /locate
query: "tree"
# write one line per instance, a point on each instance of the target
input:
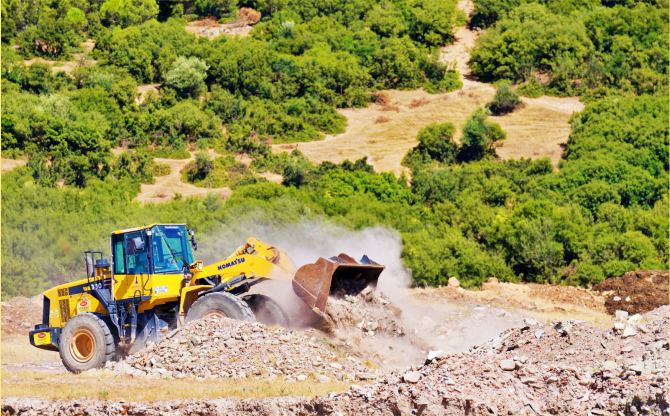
(504, 101)
(76, 18)
(480, 137)
(128, 12)
(187, 75)
(436, 142)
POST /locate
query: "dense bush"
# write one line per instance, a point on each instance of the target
(580, 45)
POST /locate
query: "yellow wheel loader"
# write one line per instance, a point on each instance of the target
(153, 285)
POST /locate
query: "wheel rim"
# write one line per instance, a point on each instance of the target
(82, 345)
(215, 314)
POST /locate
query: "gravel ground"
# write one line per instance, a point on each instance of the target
(558, 368)
(226, 348)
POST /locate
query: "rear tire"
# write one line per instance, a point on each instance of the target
(220, 304)
(266, 310)
(86, 342)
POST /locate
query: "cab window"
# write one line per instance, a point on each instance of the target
(137, 260)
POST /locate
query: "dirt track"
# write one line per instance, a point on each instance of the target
(536, 130)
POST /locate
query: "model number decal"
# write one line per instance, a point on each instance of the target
(160, 289)
(232, 263)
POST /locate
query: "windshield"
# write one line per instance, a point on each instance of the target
(171, 248)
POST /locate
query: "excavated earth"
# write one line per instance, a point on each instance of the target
(226, 348)
(635, 292)
(564, 367)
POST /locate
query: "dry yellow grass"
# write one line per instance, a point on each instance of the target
(165, 187)
(17, 350)
(71, 386)
(537, 130)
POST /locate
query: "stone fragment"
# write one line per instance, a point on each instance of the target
(412, 377)
(628, 332)
(453, 282)
(621, 315)
(619, 326)
(301, 377)
(507, 365)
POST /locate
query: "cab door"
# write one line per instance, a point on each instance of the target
(132, 266)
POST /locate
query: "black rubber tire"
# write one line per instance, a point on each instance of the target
(232, 306)
(105, 345)
(266, 310)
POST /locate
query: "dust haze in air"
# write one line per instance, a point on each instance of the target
(428, 326)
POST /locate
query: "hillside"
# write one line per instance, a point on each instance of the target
(539, 129)
(568, 187)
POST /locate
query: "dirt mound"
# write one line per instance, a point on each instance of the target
(234, 349)
(20, 315)
(635, 292)
(566, 367)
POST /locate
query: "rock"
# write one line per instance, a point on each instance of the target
(453, 282)
(619, 326)
(284, 338)
(616, 298)
(635, 368)
(635, 319)
(610, 365)
(434, 354)
(365, 376)
(301, 377)
(539, 333)
(529, 380)
(412, 377)
(320, 378)
(628, 332)
(336, 366)
(449, 382)
(507, 365)
(627, 348)
(621, 315)
(530, 322)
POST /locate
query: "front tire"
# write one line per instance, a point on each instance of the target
(220, 305)
(266, 310)
(86, 342)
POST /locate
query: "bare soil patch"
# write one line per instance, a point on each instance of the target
(143, 91)
(635, 292)
(165, 187)
(210, 28)
(9, 164)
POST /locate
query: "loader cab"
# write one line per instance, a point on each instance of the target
(156, 249)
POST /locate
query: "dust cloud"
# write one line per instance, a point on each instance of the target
(425, 327)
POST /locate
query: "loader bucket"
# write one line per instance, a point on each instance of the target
(313, 283)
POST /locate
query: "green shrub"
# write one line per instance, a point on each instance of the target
(504, 101)
(531, 89)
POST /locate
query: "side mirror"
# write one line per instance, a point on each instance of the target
(138, 243)
(193, 243)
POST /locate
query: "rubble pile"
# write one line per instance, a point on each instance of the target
(369, 312)
(20, 315)
(228, 348)
(559, 368)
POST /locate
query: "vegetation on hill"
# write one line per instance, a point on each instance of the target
(464, 213)
(579, 45)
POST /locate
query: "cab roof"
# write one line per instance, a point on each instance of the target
(144, 227)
